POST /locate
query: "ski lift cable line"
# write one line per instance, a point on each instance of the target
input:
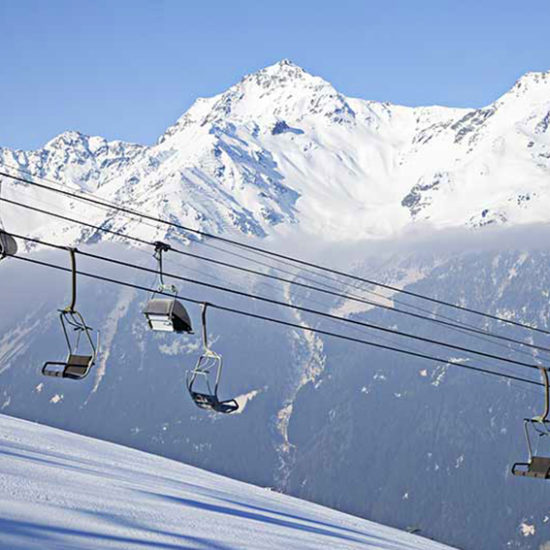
(214, 277)
(280, 303)
(298, 275)
(356, 329)
(290, 324)
(286, 305)
(452, 325)
(142, 241)
(458, 324)
(413, 349)
(93, 200)
(288, 259)
(152, 244)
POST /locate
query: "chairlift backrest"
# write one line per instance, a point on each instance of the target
(167, 315)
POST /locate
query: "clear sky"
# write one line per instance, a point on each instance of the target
(126, 69)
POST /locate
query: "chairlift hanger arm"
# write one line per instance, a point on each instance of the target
(72, 305)
(204, 329)
(543, 418)
(161, 247)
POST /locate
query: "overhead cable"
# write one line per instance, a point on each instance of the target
(292, 325)
(256, 249)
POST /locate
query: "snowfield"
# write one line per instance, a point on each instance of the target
(62, 490)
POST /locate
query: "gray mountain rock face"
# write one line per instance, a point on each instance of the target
(282, 154)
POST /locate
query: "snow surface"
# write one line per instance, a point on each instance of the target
(62, 490)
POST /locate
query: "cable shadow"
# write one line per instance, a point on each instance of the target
(262, 518)
(323, 524)
(52, 533)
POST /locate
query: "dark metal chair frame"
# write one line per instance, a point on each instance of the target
(77, 365)
(537, 466)
(208, 366)
(8, 245)
(175, 312)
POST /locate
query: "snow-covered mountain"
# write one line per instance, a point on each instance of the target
(282, 156)
(68, 491)
(283, 147)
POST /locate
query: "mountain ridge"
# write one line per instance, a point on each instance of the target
(391, 432)
(526, 78)
(283, 150)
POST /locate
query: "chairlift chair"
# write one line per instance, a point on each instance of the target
(206, 376)
(166, 314)
(537, 466)
(78, 363)
(8, 245)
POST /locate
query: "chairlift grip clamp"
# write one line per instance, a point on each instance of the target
(161, 246)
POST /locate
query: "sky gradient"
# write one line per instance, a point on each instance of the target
(128, 69)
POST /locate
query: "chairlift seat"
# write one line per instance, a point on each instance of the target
(78, 335)
(8, 245)
(538, 467)
(206, 375)
(76, 367)
(211, 402)
(167, 315)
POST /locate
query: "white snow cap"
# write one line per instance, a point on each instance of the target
(282, 149)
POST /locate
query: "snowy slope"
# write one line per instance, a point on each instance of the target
(61, 490)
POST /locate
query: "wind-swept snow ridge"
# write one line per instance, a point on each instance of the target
(69, 491)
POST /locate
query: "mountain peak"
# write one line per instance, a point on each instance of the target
(68, 138)
(282, 73)
(284, 63)
(277, 92)
(533, 77)
(285, 66)
(534, 83)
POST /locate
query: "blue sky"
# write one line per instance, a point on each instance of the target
(128, 69)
